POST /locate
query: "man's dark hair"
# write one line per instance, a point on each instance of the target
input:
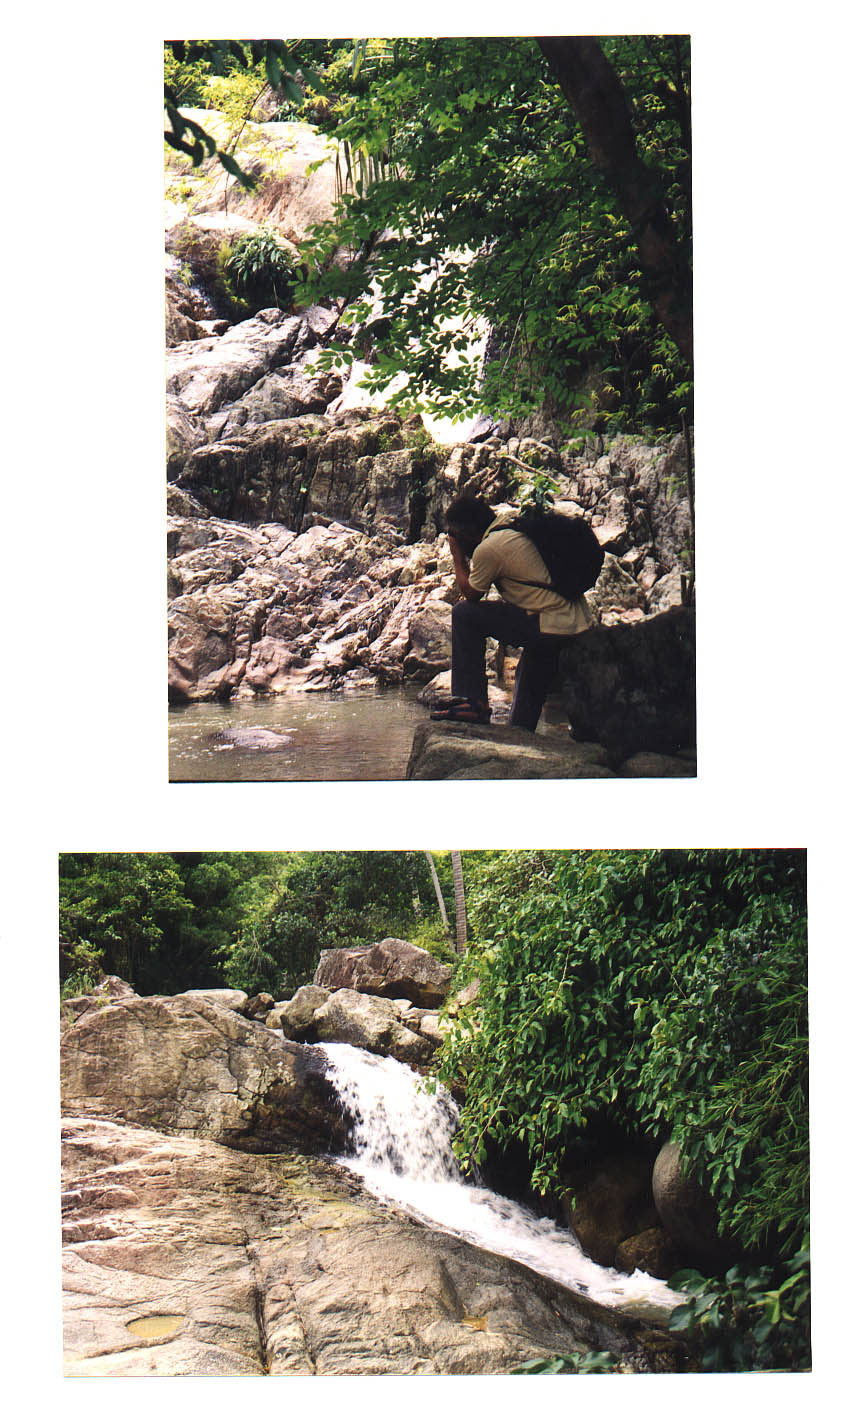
(468, 515)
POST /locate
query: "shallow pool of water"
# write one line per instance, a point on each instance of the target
(333, 737)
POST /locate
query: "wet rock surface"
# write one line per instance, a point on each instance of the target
(182, 1257)
(448, 752)
(201, 1237)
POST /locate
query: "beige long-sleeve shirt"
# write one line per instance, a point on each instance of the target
(503, 557)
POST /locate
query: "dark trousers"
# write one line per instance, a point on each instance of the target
(471, 624)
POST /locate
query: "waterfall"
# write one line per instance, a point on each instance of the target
(401, 1148)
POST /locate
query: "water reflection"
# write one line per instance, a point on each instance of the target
(336, 737)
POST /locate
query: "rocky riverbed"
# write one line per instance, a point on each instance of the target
(305, 535)
(207, 1232)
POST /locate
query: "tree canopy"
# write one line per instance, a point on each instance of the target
(253, 921)
(537, 188)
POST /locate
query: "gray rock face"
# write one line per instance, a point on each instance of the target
(369, 1023)
(392, 968)
(191, 1066)
(216, 371)
(263, 610)
(688, 1213)
(109, 989)
(185, 1258)
(632, 688)
(449, 752)
(296, 1017)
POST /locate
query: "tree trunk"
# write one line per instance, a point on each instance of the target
(596, 96)
(438, 889)
(459, 901)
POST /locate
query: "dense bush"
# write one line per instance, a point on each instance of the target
(262, 269)
(656, 992)
(159, 921)
(756, 1318)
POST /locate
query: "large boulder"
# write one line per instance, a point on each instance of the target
(296, 1017)
(189, 1065)
(391, 968)
(688, 1213)
(368, 1022)
(608, 1202)
(184, 1258)
(632, 687)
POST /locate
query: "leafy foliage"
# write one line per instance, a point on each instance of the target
(573, 1363)
(756, 1318)
(221, 57)
(656, 992)
(486, 205)
(330, 899)
(157, 920)
(262, 269)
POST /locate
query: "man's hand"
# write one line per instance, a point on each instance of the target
(461, 570)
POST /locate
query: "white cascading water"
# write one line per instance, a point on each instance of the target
(401, 1136)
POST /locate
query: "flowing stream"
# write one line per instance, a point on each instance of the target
(401, 1138)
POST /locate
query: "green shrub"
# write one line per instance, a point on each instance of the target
(574, 1363)
(262, 270)
(661, 993)
(755, 1318)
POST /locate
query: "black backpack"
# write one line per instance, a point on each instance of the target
(569, 548)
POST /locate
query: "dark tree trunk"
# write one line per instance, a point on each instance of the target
(596, 96)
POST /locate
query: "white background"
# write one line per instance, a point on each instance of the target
(85, 734)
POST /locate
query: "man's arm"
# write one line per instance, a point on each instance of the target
(461, 571)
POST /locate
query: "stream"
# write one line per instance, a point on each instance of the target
(401, 1139)
(333, 737)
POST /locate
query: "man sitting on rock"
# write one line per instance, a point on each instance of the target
(529, 615)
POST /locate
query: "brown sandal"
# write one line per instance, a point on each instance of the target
(462, 710)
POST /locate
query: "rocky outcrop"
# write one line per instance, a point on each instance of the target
(610, 1202)
(370, 1023)
(187, 1064)
(406, 1031)
(449, 752)
(319, 610)
(391, 968)
(261, 603)
(185, 1258)
(632, 688)
(292, 166)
